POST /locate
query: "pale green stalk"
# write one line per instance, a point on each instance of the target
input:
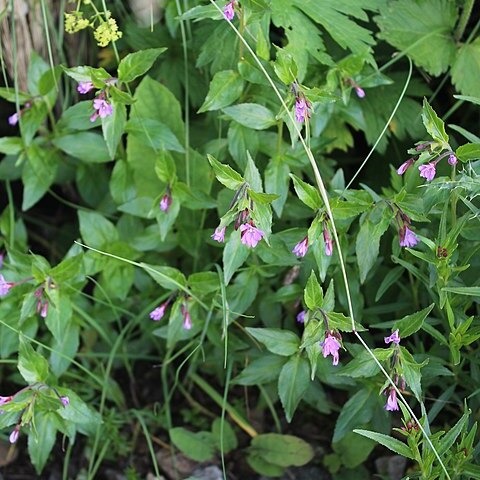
(324, 195)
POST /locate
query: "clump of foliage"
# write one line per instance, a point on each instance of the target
(197, 201)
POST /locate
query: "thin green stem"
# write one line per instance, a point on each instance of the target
(464, 18)
(222, 418)
(11, 214)
(49, 44)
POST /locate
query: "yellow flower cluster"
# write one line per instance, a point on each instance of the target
(107, 32)
(74, 22)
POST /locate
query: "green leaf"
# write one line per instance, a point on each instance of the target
(167, 277)
(293, 382)
(466, 68)
(285, 67)
(433, 124)
(11, 145)
(308, 194)
(472, 291)
(469, 151)
(261, 466)
(390, 278)
(38, 174)
(391, 443)
(424, 30)
(77, 117)
(234, 255)
(225, 174)
(357, 411)
(262, 370)
(230, 441)
(252, 175)
(154, 134)
(412, 323)
(448, 440)
(363, 365)
(136, 64)
(277, 182)
(282, 450)
(225, 88)
(113, 127)
(313, 295)
(251, 115)
(278, 341)
(197, 446)
(368, 241)
(87, 146)
(31, 365)
(41, 439)
(96, 230)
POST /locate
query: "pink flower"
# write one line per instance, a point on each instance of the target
(159, 312)
(301, 248)
(4, 400)
(328, 242)
(228, 10)
(219, 234)
(13, 119)
(14, 435)
(331, 346)
(5, 286)
(360, 92)
(44, 310)
(103, 108)
(165, 202)
(452, 159)
(250, 235)
(428, 171)
(407, 237)
(392, 403)
(301, 316)
(405, 165)
(302, 107)
(65, 401)
(187, 320)
(84, 87)
(394, 337)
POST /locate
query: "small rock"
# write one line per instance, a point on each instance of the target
(212, 472)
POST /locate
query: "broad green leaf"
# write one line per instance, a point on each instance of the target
(467, 152)
(391, 443)
(41, 439)
(137, 63)
(11, 145)
(261, 466)
(278, 341)
(226, 440)
(412, 323)
(225, 88)
(262, 370)
(411, 371)
(96, 230)
(197, 446)
(313, 295)
(423, 30)
(342, 209)
(466, 68)
(277, 182)
(251, 115)
(167, 277)
(285, 67)
(31, 365)
(357, 411)
(65, 348)
(38, 173)
(293, 382)
(155, 134)
(77, 117)
(241, 140)
(113, 127)
(308, 194)
(433, 124)
(225, 174)
(252, 175)
(363, 365)
(87, 146)
(234, 255)
(282, 450)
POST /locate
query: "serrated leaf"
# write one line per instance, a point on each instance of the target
(278, 341)
(424, 30)
(433, 124)
(467, 152)
(412, 323)
(225, 174)
(308, 194)
(293, 382)
(225, 88)
(137, 63)
(466, 68)
(391, 443)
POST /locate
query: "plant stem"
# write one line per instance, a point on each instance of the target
(464, 18)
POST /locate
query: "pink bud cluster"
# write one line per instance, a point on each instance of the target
(301, 248)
